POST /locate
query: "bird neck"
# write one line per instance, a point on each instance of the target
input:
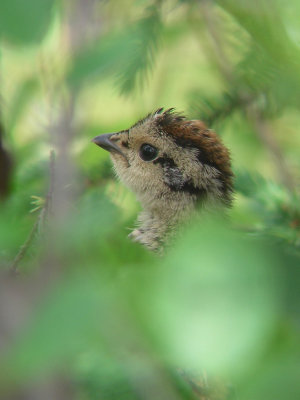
(159, 218)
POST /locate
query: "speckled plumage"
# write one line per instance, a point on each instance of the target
(192, 167)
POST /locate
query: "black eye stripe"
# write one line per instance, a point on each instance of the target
(168, 164)
(165, 161)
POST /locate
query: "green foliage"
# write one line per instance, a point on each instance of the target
(129, 54)
(23, 22)
(145, 36)
(267, 74)
(214, 110)
(87, 304)
(278, 209)
(237, 288)
(21, 101)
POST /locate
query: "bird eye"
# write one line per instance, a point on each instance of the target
(148, 152)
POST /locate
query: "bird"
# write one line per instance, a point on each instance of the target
(174, 166)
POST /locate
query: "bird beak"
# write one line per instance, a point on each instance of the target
(107, 144)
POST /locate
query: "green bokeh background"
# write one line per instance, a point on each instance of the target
(91, 315)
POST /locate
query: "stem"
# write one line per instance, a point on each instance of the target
(39, 222)
(265, 134)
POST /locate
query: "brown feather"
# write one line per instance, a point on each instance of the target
(194, 133)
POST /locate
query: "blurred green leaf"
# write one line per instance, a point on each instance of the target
(275, 378)
(14, 227)
(262, 19)
(145, 36)
(65, 323)
(98, 60)
(25, 22)
(20, 101)
(247, 183)
(273, 61)
(277, 209)
(212, 110)
(214, 303)
(267, 73)
(127, 54)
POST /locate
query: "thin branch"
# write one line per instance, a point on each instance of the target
(40, 222)
(14, 266)
(266, 136)
(6, 166)
(47, 209)
(262, 127)
(213, 29)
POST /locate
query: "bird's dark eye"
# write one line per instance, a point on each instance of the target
(148, 152)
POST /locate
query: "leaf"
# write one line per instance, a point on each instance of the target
(249, 184)
(37, 202)
(262, 20)
(214, 302)
(128, 55)
(213, 110)
(20, 101)
(65, 322)
(272, 64)
(25, 22)
(145, 36)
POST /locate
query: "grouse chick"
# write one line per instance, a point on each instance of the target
(172, 165)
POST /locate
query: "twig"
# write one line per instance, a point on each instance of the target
(218, 54)
(6, 166)
(47, 209)
(266, 136)
(14, 266)
(261, 125)
(40, 219)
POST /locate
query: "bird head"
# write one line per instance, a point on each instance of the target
(164, 155)
(171, 164)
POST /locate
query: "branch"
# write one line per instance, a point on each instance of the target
(6, 167)
(40, 222)
(269, 141)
